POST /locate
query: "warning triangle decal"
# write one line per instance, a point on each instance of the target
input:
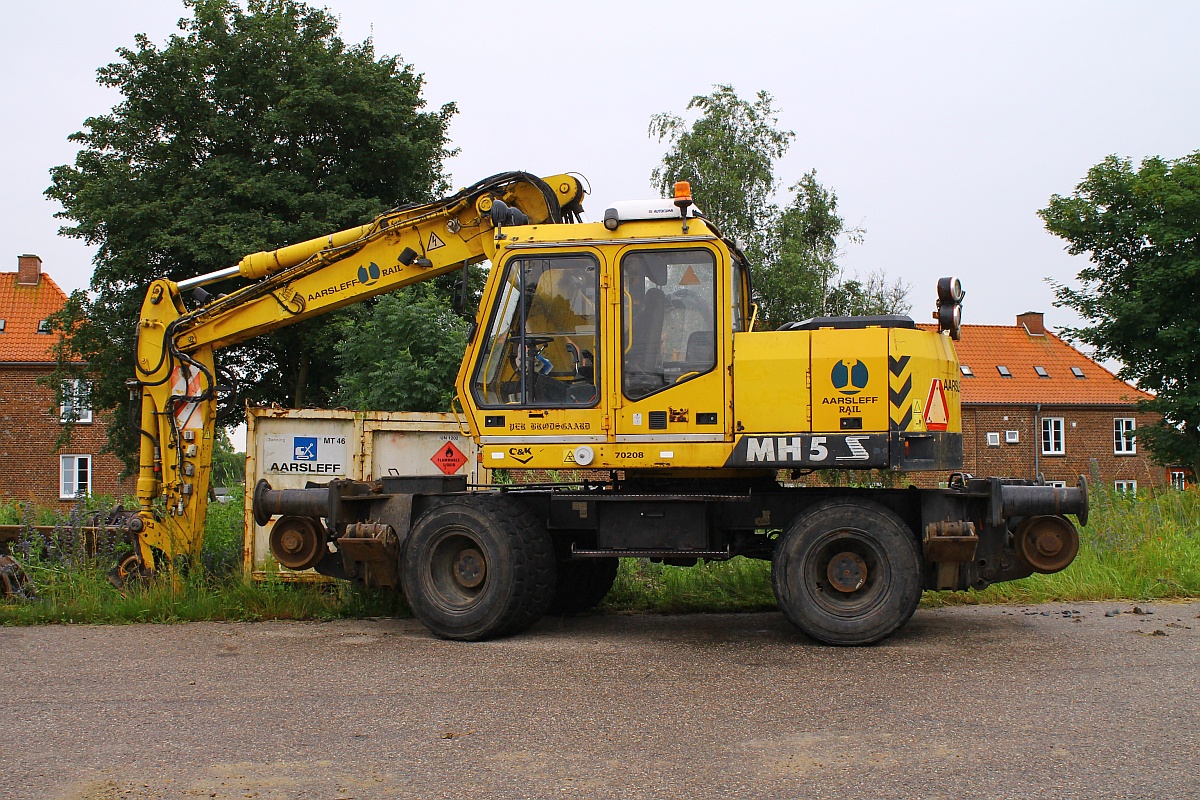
(937, 413)
(689, 277)
(434, 242)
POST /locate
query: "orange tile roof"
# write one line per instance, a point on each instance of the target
(22, 308)
(985, 347)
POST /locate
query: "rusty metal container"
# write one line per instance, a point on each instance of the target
(292, 447)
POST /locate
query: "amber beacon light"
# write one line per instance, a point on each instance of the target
(683, 194)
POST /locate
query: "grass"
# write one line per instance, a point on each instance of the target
(740, 584)
(1134, 548)
(72, 580)
(1145, 547)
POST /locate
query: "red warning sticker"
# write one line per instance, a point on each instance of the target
(449, 459)
(937, 413)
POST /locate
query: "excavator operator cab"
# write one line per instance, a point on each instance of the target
(589, 342)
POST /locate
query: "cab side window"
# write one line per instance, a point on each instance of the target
(739, 282)
(668, 319)
(542, 342)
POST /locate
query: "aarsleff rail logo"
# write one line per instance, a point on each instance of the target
(849, 379)
(369, 274)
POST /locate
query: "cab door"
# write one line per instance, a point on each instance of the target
(671, 377)
(537, 373)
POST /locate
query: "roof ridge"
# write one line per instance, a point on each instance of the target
(1065, 343)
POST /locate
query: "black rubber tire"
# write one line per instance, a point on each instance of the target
(582, 584)
(884, 602)
(518, 570)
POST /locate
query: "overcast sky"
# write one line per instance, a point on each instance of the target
(943, 128)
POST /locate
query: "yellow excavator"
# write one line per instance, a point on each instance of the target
(625, 349)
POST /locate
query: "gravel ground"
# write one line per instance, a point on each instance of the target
(1056, 701)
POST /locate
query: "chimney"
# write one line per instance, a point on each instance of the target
(1031, 321)
(29, 270)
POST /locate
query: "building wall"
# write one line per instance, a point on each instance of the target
(1087, 439)
(29, 464)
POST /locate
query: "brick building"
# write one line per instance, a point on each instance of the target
(1033, 404)
(30, 423)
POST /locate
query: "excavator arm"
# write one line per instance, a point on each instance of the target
(176, 374)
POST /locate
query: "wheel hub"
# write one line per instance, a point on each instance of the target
(1050, 544)
(847, 572)
(292, 541)
(469, 568)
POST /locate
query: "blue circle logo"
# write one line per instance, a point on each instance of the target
(849, 379)
(369, 274)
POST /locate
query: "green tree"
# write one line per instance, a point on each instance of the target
(729, 154)
(801, 277)
(877, 294)
(403, 353)
(1140, 297)
(228, 465)
(798, 282)
(253, 128)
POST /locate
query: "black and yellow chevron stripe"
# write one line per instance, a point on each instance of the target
(900, 381)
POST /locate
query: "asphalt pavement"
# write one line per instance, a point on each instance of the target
(1059, 701)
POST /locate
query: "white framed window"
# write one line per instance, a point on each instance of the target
(1124, 441)
(1012, 437)
(76, 404)
(993, 439)
(74, 476)
(1053, 443)
(1178, 479)
(1125, 487)
(1057, 484)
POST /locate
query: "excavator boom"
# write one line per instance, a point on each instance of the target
(175, 344)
